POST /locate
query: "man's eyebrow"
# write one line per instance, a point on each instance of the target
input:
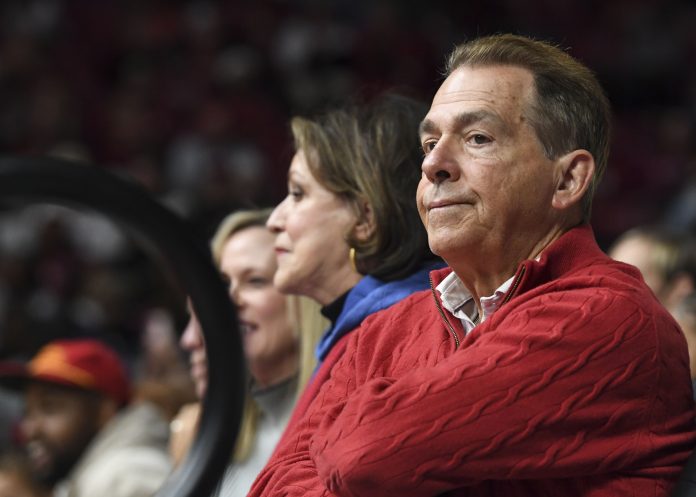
(461, 120)
(466, 118)
(427, 126)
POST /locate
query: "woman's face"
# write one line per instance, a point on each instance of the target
(248, 263)
(311, 225)
(192, 342)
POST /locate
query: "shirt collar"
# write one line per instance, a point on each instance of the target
(459, 302)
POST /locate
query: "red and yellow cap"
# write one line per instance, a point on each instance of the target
(85, 363)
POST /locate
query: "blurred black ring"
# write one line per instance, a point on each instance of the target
(32, 180)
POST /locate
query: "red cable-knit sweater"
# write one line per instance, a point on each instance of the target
(577, 386)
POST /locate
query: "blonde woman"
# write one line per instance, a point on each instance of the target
(270, 324)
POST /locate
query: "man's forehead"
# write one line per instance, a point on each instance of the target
(485, 84)
(499, 92)
(46, 390)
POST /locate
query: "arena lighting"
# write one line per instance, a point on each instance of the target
(44, 180)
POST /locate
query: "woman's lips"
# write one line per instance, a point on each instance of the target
(246, 328)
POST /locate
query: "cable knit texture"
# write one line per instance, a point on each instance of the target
(372, 295)
(577, 386)
(369, 296)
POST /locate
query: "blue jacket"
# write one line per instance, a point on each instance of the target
(369, 296)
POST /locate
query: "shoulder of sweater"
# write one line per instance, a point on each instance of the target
(604, 303)
(393, 324)
(402, 309)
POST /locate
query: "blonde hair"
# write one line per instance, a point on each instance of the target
(303, 314)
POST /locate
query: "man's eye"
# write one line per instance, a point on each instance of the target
(428, 146)
(480, 139)
(296, 193)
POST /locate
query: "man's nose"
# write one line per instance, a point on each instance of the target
(28, 427)
(440, 163)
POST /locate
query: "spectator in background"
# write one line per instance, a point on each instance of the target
(16, 479)
(685, 314)
(666, 259)
(272, 326)
(82, 436)
(162, 375)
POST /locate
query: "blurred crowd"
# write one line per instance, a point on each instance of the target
(192, 100)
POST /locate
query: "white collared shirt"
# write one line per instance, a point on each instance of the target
(459, 302)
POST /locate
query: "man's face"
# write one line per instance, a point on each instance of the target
(486, 181)
(57, 426)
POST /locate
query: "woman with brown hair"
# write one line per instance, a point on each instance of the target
(348, 232)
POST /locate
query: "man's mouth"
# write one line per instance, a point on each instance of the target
(445, 203)
(38, 455)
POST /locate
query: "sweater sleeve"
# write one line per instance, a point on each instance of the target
(291, 471)
(558, 387)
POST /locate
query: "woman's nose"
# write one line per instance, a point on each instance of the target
(276, 221)
(192, 337)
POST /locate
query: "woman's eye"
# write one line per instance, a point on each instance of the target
(295, 193)
(258, 281)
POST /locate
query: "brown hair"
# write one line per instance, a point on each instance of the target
(370, 154)
(571, 110)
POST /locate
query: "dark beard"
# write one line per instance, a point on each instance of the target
(66, 457)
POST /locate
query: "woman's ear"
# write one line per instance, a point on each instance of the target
(365, 226)
(576, 170)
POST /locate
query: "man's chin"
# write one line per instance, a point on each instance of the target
(40, 461)
(46, 471)
(46, 475)
(443, 247)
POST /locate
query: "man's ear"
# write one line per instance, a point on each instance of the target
(576, 170)
(365, 226)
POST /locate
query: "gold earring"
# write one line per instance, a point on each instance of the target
(351, 256)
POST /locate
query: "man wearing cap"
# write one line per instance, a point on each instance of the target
(81, 434)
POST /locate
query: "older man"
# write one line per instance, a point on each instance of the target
(536, 366)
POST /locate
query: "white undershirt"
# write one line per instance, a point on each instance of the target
(459, 302)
